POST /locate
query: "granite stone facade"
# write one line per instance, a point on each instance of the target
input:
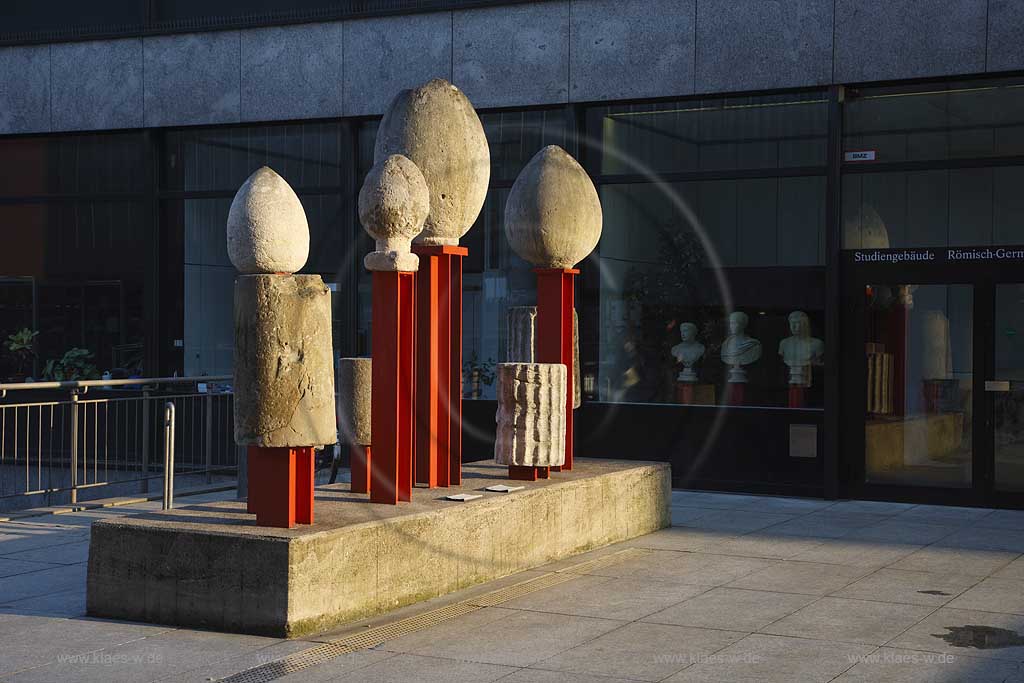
(545, 52)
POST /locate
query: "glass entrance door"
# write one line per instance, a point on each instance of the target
(918, 366)
(1006, 388)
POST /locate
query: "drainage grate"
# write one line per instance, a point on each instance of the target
(377, 635)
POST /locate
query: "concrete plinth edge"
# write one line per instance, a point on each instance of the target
(212, 568)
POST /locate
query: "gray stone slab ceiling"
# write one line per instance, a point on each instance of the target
(892, 39)
(97, 85)
(292, 72)
(386, 55)
(753, 44)
(513, 55)
(625, 49)
(25, 89)
(192, 79)
(1005, 35)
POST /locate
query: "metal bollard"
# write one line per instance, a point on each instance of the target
(168, 456)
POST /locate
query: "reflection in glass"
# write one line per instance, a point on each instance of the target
(764, 237)
(936, 121)
(1008, 407)
(919, 369)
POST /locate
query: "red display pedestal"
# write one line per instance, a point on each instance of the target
(437, 442)
(735, 393)
(555, 301)
(797, 396)
(685, 393)
(391, 418)
(528, 473)
(281, 486)
(359, 463)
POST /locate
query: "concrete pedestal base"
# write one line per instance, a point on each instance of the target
(211, 567)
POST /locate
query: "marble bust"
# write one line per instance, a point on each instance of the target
(688, 352)
(800, 350)
(738, 349)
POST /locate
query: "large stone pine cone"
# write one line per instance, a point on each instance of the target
(436, 127)
(553, 214)
(267, 230)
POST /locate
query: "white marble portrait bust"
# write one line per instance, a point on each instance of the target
(738, 349)
(800, 350)
(688, 352)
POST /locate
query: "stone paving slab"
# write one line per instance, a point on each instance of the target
(878, 594)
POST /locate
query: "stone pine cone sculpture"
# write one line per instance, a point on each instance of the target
(436, 127)
(266, 229)
(393, 204)
(553, 214)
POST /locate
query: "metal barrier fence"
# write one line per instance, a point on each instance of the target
(66, 438)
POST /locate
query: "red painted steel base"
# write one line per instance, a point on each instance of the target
(391, 408)
(797, 396)
(438, 437)
(281, 486)
(522, 473)
(359, 464)
(735, 393)
(555, 301)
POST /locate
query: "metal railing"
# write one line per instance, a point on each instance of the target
(60, 440)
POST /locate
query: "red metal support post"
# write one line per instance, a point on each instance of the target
(555, 301)
(359, 464)
(281, 486)
(393, 375)
(438, 440)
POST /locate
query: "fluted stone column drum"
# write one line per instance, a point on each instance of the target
(531, 415)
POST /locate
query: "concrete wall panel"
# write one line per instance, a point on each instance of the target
(25, 89)
(97, 85)
(292, 72)
(513, 56)
(892, 39)
(386, 55)
(192, 79)
(1005, 35)
(759, 44)
(625, 49)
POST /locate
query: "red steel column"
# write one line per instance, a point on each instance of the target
(555, 301)
(438, 440)
(393, 375)
(305, 470)
(359, 464)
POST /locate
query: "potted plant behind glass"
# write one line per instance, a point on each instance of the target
(22, 345)
(76, 364)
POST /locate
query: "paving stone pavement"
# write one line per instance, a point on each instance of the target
(741, 588)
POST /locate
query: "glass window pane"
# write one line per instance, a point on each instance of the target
(109, 163)
(763, 132)
(307, 155)
(935, 208)
(919, 369)
(937, 121)
(753, 247)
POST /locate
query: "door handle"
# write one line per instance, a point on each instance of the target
(1000, 386)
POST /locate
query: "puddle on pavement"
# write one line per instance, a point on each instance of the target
(981, 637)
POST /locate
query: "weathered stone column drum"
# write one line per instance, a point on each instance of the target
(284, 375)
(355, 379)
(531, 415)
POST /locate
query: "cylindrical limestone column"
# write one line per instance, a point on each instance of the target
(521, 341)
(531, 416)
(355, 377)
